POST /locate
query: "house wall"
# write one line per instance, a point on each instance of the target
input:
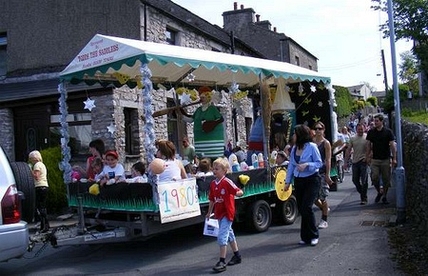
(259, 35)
(7, 132)
(45, 35)
(306, 60)
(186, 37)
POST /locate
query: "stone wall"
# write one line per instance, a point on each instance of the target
(415, 152)
(7, 132)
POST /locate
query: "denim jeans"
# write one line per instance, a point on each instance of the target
(359, 178)
(225, 232)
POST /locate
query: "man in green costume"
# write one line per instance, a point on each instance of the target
(208, 129)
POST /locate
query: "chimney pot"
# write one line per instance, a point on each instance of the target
(235, 5)
(242, 7)
(258, 17)
(274, 29)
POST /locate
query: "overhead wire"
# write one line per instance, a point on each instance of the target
(350, 65)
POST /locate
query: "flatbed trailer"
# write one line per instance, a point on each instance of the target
(126, 211)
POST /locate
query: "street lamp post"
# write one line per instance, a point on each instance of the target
(399, 173)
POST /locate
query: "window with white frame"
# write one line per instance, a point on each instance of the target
(79, 128)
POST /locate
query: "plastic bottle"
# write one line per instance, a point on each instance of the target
(232, 159)
(261, 160)
(235, 166)
(273, 156)
(244, 166)
(255, 161)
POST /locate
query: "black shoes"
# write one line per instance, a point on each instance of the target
(235, 260)
(384, 200)
(377, 199)
(219, 267)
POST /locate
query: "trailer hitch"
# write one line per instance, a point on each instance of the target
(45, 238)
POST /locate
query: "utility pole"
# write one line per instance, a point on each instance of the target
(399, 173)
(385, 77)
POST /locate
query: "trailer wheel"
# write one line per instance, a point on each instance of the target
(25, 183)
(286, 211)
(259, 216)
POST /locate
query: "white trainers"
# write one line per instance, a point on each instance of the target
(314, 242)
(323, 224)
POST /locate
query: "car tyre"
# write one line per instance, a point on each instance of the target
(25, 183)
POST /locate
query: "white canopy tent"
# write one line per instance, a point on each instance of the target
(118, 61)
(104, 56)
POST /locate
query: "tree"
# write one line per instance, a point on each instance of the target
(388, 103)
(343, 100)
(408, 71)
(411, 23)
(408, 67)
(372, 101)
(371, 87)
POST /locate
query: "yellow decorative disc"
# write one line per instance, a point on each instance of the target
(280, 185)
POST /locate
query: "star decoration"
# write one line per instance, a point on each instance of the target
(89, 104)
(300, 88)
(234, 87)
(185, 99)
(111, 128)
(190, 77)
(320, 104)
(313, 89)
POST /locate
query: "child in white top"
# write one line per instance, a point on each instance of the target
(138, 173)
(113, 171)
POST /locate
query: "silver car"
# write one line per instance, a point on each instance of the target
(13, 230)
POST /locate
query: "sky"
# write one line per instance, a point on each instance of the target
(343, 34)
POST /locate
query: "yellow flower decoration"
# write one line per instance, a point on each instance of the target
(122, 78)
(193, 94)
(181, 90)
(240, 95)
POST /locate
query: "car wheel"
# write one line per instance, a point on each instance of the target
(259, 216)
(25, 183)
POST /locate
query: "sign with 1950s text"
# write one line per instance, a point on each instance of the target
(178, 200)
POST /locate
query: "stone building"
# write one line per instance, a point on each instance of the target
(245, 24)
(40, 38)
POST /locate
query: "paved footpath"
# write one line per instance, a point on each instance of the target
(357, 235)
